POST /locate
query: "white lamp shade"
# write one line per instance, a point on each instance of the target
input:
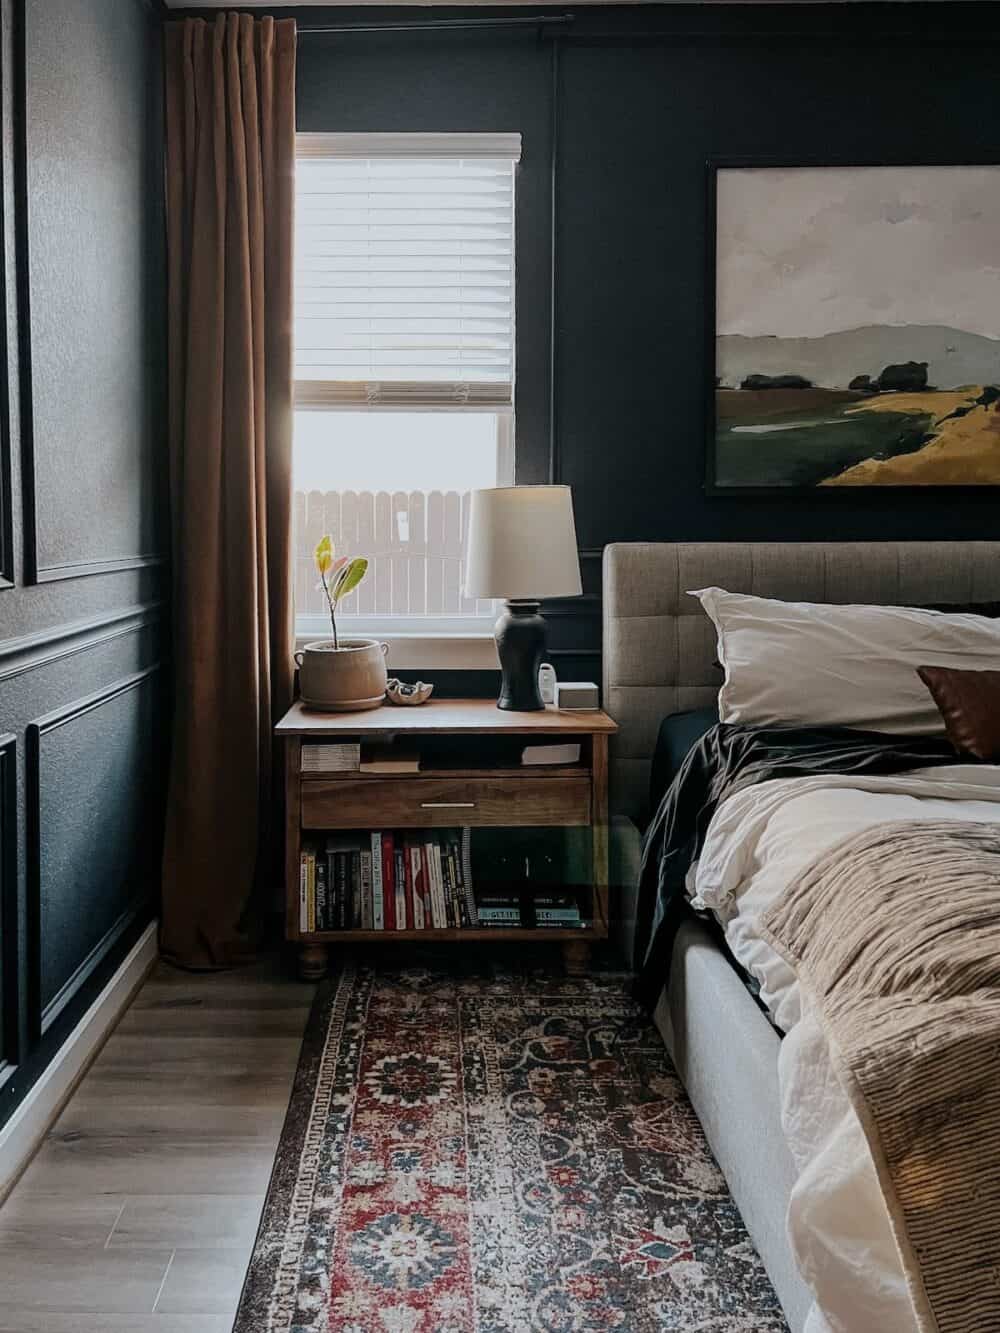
(522, 544)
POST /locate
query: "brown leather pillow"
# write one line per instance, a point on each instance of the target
(969, 702)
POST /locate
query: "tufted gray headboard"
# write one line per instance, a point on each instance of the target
(659, 646)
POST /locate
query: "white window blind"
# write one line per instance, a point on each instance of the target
(404, 270)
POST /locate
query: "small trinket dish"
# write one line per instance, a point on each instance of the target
(403, 693)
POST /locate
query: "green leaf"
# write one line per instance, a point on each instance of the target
(350, 577)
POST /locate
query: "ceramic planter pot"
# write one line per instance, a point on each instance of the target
(345, 679)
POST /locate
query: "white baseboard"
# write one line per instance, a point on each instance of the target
(22, 1135)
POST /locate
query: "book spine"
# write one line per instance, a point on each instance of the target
(403, 920)
(303, 893)
(354, 863)
(439, 876)
(341, 863)
(455, 857)
(322, 920)
(311, 890)
(414, 886)
(367, 916)
(430, 917)
(432, 853)
(427, 867)
(442, 865)
(456, 887)
(332, 892)
(378, 902)
(389, 881)
(468, 889)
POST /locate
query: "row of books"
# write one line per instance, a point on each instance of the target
(414, 880)
(420, 880)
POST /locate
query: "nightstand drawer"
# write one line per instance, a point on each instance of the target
(444, 802)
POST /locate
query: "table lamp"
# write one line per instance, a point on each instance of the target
(521, 547)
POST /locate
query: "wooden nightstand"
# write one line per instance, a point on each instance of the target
(450, 791)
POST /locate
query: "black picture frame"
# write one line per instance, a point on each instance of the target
(831, 494)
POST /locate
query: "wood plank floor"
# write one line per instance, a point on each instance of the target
(139, 1212)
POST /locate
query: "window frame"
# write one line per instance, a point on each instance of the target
(422, 640)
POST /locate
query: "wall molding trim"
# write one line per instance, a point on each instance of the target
(22, 1136)
(9, 1024)
(8, 282)
(41, 726)
(85, 568)
(31, 651)
(14, 75)
(96, 956)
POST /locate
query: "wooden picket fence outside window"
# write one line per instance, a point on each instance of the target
(414, 540)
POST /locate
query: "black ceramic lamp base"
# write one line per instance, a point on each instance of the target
(520, 635)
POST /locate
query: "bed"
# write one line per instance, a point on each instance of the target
(659, 658)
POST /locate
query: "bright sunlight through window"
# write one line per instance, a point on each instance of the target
(404, 366)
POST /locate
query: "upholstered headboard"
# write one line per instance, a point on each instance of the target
(659, 646)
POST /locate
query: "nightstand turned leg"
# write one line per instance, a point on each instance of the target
(576, 957)
(313, 960)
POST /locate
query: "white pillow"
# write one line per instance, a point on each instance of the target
(809, 664)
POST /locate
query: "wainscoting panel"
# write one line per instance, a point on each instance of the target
(83, 517)
(8, 906)
(8, 300)
(92, 783)
(92, 434)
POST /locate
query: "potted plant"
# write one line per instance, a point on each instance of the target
(341, 675)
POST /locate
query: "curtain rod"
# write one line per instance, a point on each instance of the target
(439, 25)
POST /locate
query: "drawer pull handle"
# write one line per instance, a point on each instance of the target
(447, 805)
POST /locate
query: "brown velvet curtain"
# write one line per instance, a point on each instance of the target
(230, 113)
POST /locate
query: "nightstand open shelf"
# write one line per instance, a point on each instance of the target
(441, 795)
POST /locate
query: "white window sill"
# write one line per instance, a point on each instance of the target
(412, 651)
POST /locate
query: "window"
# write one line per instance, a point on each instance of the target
(404, 366)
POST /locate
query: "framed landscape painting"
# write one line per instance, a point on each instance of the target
(856, 337)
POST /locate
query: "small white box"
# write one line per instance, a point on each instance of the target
(579, 695)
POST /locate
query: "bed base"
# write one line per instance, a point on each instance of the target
(726, 1054)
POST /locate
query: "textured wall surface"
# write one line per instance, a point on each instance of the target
(640, 99)
(82, 511)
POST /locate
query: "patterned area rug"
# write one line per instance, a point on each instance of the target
(495, 1153)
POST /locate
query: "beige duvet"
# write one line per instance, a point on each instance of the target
(894, 935)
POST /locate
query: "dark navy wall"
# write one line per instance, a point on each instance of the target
(82, 511)
(641, 98)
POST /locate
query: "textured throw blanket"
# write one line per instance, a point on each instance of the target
(727, 759)
(895, 938)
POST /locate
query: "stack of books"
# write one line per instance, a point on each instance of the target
(542, 911)
(414, 880)
(556, 909)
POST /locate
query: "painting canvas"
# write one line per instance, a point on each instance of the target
(857, 327)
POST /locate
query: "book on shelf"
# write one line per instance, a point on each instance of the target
(556, 909)
(439, 912)
(378, 901)
(550, 754)
(404, 911)
(389, 759)
(321, 911)
(354, 917)
(388, 881)
(498, 909)
(307, 890)
(342, 757)
(414, 883)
